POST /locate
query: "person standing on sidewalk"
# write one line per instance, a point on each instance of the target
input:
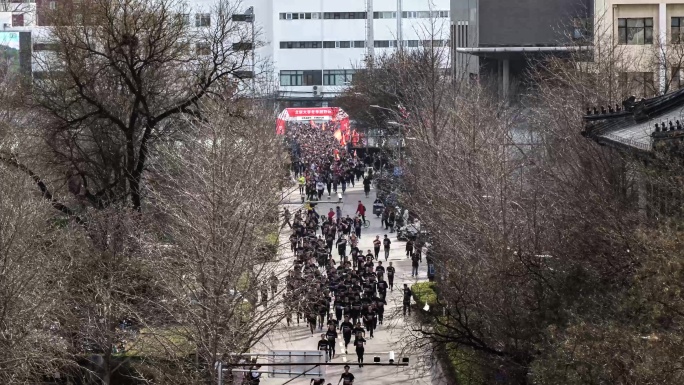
(391, 220)
(302, 183)
(414, 265)
(385, 218)
(366, 185)
(286, 218)
(376, 246)
(386, 243)
(409, 248)
(407, 299)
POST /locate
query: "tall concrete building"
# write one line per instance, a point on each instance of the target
(494, 40)
(316, 46)
(313, 46)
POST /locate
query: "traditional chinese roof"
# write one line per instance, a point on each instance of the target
(636, 125)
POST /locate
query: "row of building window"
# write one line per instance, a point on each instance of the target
(362, 44)
(362, 15)
(639, 31)
(316, 77)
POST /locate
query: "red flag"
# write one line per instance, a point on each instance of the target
(354, 153)
(338, 135)
(323, 126)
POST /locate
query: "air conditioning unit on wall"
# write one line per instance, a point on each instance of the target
(316, 91)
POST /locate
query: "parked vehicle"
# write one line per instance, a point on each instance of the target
(412, 230)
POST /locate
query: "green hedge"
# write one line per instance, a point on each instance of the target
(460, 362)
(425, 292)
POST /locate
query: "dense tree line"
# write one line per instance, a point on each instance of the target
(138, 183)
(551, 267)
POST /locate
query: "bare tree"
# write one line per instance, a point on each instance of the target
(33, 270)
(217, 201)
(120, 81)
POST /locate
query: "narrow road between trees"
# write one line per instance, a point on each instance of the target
(391, 336)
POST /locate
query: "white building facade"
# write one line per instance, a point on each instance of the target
(316, 46)
(311, 47)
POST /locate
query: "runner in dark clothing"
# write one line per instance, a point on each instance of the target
(331, 335)
(346, 328)
(323, 346)
(360, 349)
(407, 299)
(390, 276)
(347, 377)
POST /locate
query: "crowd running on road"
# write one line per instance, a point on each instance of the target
(330, 271)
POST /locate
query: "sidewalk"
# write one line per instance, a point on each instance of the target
(388, 337)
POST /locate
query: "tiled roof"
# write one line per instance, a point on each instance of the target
(633, 125)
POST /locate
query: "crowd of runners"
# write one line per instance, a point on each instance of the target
(330, 271)
(334, 287)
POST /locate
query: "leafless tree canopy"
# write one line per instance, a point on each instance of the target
(550, 269)
(124, 79)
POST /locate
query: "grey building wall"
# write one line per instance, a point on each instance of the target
(464, 33)
(528, 22)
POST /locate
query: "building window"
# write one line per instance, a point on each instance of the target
(328, 44)
(677, 81)
(291, 78)
(635, 31)
(677, 26)
(384, 43)
(300, 16)
(18, 20)
(184, 18)
(581, 29)
(434, 43)
(202, 49)
(45, 47)
(344, 15)
(384, 15)
(360, 44)
(337, 77)
(202, 20)
(639, 84)
(444, 14)
(52, 5)
(312, 78)
(412, 43)
(300, 44)
(345, 44)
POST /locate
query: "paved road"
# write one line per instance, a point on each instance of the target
(388, 337)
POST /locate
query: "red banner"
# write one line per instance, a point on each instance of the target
(315, 114)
